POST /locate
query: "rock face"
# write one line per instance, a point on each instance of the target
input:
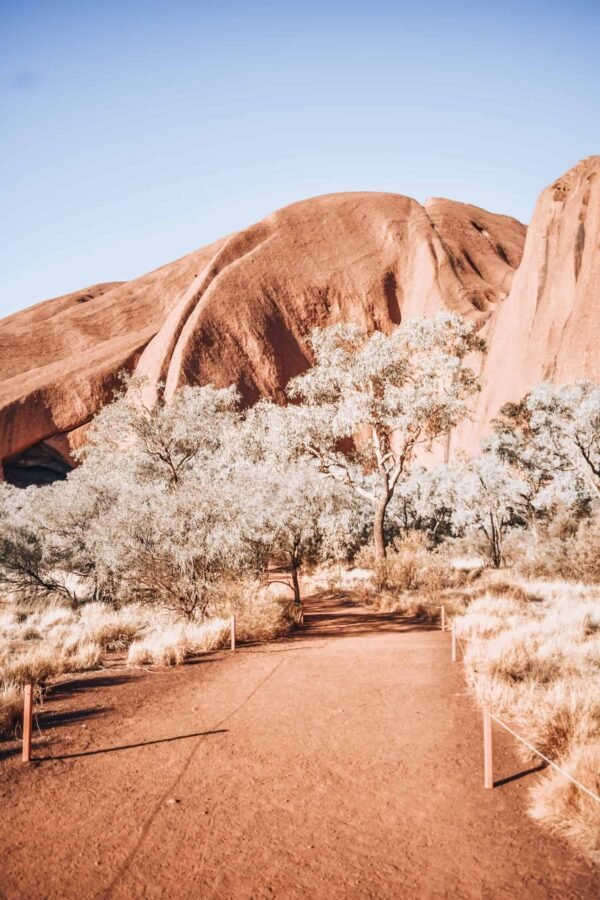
(548, 328)
(239, 310)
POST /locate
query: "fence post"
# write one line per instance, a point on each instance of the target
(443, 616)
(488, 767)
(233, 633)
(453, 628)
(27, 722)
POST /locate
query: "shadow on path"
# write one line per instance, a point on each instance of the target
(168, 740)
(93, 680)
(518, 775)
(333, 615)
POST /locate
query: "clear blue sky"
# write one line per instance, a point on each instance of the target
(134, 132)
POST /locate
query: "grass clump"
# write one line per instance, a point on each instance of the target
(533, 655)
(171, 645)
(11, 706)
(413, 579)
(258, 617)
(560, 805)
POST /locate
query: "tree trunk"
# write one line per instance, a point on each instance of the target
(295, 565)
(378, 535)
(296, 585)
(495, 542)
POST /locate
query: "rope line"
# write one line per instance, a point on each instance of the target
(545, 758)
(533, 749)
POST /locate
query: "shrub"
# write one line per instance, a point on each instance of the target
(533, 654)
(411, 566)
(45, 661)
(170, 646)
(561, 806)
(11, 707)
(558, 551)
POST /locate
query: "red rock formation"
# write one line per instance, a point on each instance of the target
(548, 328)
(240, 310)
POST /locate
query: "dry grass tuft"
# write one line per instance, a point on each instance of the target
(37, 646)
(11, 707)
(561, 806)
(170, 646)
(508, 590)
(533, 654)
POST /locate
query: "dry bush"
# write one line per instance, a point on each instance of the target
(33, 666)
(37, 646)
(414, 580)
(170, 646)
(534, 656)
(47, 661)
(564, 549)
(259, 617)
(367, 596)
(410, 565)
(561, 806)
(415, 605)
(567, 713)
(11, 707)
(260, 614)
(509, 590)
(114, 629)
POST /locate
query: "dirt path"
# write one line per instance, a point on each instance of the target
(343, 763)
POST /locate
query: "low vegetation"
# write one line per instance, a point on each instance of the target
(39, 646)
(533, 654)
(178, 508)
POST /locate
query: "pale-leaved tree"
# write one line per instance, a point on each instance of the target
(485, 495)
(370, 402)
(554, 431)
(300, 517)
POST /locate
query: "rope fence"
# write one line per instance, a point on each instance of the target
(28, 703)
(488, 717)
(28, 691)
(581, 786)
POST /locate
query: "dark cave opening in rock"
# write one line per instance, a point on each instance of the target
(38, 465)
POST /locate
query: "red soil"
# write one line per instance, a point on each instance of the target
(344, 762)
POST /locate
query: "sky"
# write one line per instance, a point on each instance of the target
(134, 132)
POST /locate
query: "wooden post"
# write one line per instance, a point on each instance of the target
(27, 722)
(488, 767)
(233, 634)
(443, 617)
(453, 628)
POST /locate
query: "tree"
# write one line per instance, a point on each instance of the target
(485, 495)
(44, 542)
(160, 443)
(370, 401)
(422, 503)
(179, 525)
(554, 430)
(171, 503)
(153, 514)
(175, 548)
(303, 517)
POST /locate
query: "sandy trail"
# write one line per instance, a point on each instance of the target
(345, 762)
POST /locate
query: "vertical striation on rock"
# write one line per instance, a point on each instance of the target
(548, 328)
